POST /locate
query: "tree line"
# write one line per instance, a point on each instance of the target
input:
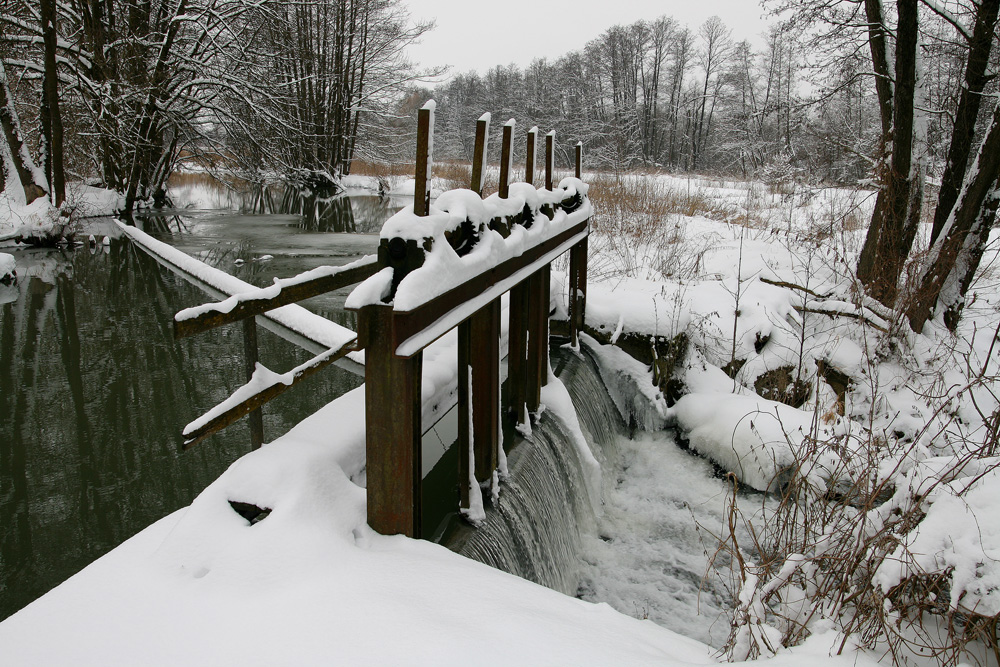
(894, 94)
(119, 90)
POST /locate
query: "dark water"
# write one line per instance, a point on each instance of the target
(94, 390)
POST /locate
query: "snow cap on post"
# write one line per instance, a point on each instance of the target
(425, 152)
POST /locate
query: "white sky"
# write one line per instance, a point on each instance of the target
(474, 35)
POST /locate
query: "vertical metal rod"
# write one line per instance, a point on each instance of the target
(479, 154)
(529, 156)
(505, 157)
(422, 170)
(392, 426)
(550, 140)
(250, 363)
(579, 160)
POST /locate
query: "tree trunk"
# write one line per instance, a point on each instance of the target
(967, 112)
(23, 166)
(51, 117)
(883, 88)
(890, 233)
(960, 243)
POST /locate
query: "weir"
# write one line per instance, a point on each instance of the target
(535, 529)
(436, 270)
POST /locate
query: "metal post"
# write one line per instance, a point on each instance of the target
(579, 160)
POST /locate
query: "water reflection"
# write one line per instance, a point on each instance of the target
(314, 211)
(93, 394)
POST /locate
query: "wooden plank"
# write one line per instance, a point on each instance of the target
(577, 290)
(529, 156)
(465, 412)
(257, 400)
(413, 322)
(517, 353)
(545, 289)
(479, 154)
(422, 172)
(506, 149)
(250, 365)
(550, 140)
(535, 324)
(485, 361)
(392, 425)
(578, 170)
(288, 295)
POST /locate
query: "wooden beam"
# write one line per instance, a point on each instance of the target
(536, 341)
(578, 169)
(250, 365)
(506, 148)
(479, 154)
(257, 400)
(422, 172)
(550, 140)
(529, 156)
(392, 427)
(485, 357)
(447, 308)
(577, 290)
(517, 352)
(289, 294)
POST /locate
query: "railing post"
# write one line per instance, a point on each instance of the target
(250, 362)
(550, 139)
(392, 390)
(478, 370)
(422, 170)
(529, 156)
(517, 329)
(577, 274)
(479, 154)
(392, 426)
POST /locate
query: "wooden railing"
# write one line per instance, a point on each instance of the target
(394, 339)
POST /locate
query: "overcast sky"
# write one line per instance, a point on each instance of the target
(474, 35)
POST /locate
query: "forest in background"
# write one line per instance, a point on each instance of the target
(896, 96)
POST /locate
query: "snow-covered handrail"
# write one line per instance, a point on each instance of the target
(284, 291)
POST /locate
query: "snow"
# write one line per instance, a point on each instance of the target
(311, 583)
(314, 327)
(7, 266)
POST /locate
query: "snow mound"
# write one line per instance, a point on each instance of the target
(752, 437)
(7, 265)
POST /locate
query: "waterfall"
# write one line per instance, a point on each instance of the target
(544, 507)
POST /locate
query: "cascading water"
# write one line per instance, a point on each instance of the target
(545, 507)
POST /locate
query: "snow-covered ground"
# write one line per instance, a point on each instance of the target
(760, 283)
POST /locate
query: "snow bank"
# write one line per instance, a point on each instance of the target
(312, 584)
(7, 265)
